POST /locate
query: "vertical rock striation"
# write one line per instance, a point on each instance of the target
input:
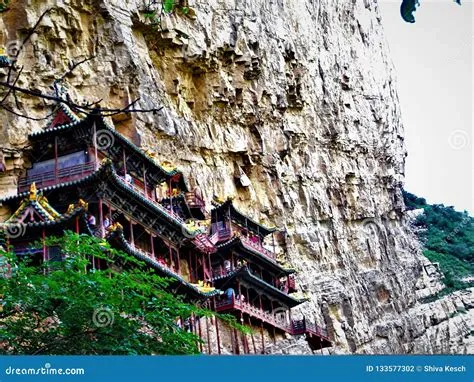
(297, 96)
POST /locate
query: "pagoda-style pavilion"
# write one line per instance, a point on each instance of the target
(257, 287)
(86, 177)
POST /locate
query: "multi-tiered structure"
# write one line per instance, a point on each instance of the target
(86, 177)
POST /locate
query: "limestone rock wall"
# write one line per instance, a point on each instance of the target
(298, 96)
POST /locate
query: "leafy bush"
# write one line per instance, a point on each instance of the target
(448, 239)
(64, 307)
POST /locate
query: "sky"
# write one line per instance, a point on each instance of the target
(433, 62)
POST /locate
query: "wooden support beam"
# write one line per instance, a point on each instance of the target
(43, 235)
(132, 239)
(209, 351)
(96, 155)
(217, 331)
(152, 245)
(252, 337)
(273, 242)
(274, 319)
(237, 347)
(261, 325)
(124, 162)
(210, 267)
(101, 218)
(179, 261)
(56, 158)
(144, 181)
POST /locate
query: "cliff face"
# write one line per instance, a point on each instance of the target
(298, 96)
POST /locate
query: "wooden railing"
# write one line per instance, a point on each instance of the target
(153, 258)
(52, 177)
(138, 187)
(145, 194)
(257, 247)
(224, 234)
(304, 326)
(294, 327)
(193, 201)
(214, 238)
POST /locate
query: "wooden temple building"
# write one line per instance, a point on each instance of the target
(86, 177)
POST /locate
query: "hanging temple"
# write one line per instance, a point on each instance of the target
(110, 188)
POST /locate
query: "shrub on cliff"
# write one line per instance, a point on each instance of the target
(448, 239)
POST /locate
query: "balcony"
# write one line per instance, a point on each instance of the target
(293, 327)
(256, 246)
(138, 187)
(245, 307)
(52, 177)
(221, 234)
(193, 201)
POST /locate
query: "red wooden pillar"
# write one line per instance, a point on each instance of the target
(274, 321)
(209, 337)
(124, 162)
(191, 268)
(144, 181)
(44, 246)
(77, 224)
(204, 267)
(273, 242)
(217, 330)
(56, 158)
(96, 156)
(132, 239)
(171, 197)
(200, 334)
(179, 261)
(261, 325)
(253, 339)
(152, 245)
(170, 254)
(237, 347)
(101, 218)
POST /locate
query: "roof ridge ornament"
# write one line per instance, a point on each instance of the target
(33, 191)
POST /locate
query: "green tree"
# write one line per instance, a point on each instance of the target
(448, 239)
(65, 307)
(408, 8)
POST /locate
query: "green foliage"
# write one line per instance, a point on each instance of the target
(4, 5)
(448, 238)
(408, 8)
(168, 6)
(67, 308)
(156, 8)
